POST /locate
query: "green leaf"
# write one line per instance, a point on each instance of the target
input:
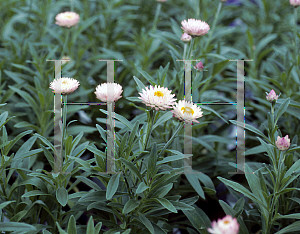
(121, 119)
(194, 181)
(16, 227)
(241, 189)
(130, 206)
(146, 222)
(139, 83)
(165, 117)
(147, 76)
(141, 188)
(90, 226)
(62, 196)
(290, 228)
(4, 204)
(198, 219)
(250, 128)
(152, 162)
(282, 108)
(112, 186)
(72, 225)
(132, 168)
(167, 204)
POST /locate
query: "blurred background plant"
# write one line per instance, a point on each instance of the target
(146, 36)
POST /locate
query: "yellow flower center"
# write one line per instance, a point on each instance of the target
(188, 110)
(159, 94)
(226, 222)
(69, 16)
(64, 82)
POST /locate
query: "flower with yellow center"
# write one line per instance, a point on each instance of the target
(64, 85)
(187, 111)
(227, 225)
(157, 97)
(67, 19)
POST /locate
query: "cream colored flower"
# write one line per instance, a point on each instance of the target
(157, 97)
(187, 111)
(109, 92)
(227, 225)
(195, 27)
(64, 85)
(67, 19)
(65, 59)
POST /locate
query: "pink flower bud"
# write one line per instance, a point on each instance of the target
(186, 37)
(295, 3)
(283, 143)
(227, 225)
(272, 96)
(199, 66)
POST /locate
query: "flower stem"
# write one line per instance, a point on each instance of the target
(64, 125)
(171, 139)
(150, 126)
(213, 26)
(66, 42)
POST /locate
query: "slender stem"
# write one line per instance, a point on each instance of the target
(156, 17)
(72, 6)
(190, 53)
(150, 126)
(66, 42)
(64, 125)
(171, 139)
(213, 26)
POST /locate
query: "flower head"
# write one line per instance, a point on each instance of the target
(64, 85)
(195, 27)
(109, 92)
(283, 143)
(187, 111)
(186, 37)
(227, 225)
(161, 0)
(295, 3)
(67, 19)
(272, 96)
(157, 97)
(199, 66)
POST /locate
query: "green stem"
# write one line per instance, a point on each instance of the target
(213, 26)
(64, 125)
(150, 126)
(66, 42)
(156, 17)
(190, 53)
(72, 6)
(171, 139)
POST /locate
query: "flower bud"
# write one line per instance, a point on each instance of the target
(295, 3)
(283, 143)
(227, 225)
(272, 96)
(199, 66)
(186, 37)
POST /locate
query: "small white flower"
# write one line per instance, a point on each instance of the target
(67, 19)
(195, 27)
(227, 225)
(109, 92)
(187, 111)
(64, 85)
(157, 97)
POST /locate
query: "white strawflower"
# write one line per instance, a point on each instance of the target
(109, 92)
(195, 27)
(67, 19)
(64, 85)
(187, 111)
(157, 97)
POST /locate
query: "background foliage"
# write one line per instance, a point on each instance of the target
(149, 196)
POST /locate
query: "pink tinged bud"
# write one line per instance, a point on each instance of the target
(161, 0)
(199, 66)
(272, 96)
(283, 143)
(295, 3)
(186, 37)
(67, 19)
